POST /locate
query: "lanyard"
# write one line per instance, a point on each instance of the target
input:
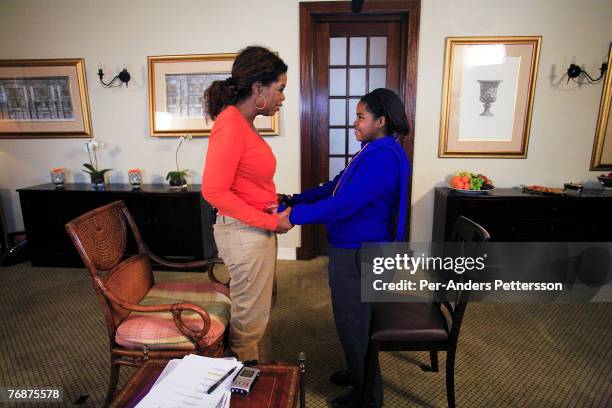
(347, 167)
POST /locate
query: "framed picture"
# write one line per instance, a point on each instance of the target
(176, 89)
(487, 98)
(602, 148)
(44, 99)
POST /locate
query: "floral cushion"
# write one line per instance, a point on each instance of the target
(157, 330)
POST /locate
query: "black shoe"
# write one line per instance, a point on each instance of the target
(347, 400)
(340, 378)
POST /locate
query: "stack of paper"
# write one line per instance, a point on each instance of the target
(186, 382)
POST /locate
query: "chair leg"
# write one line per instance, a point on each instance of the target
(450, 378)
(370, 374)
(226, 343)
(112, 384)
(433, 357)
(433, 367)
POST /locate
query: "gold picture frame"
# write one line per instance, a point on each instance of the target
(176, 88)
(44, 98)
(601, 159)
(487, 99)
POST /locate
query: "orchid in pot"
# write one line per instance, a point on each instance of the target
(177, 177)
(97, 175)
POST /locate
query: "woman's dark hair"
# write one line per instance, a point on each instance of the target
(252, 64)
(385, 102)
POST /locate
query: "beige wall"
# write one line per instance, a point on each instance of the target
(116, 34)
(564, 115)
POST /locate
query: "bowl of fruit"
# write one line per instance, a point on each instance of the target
(606, 181)
(470, 183)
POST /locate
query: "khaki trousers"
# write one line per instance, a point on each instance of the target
(249, 254)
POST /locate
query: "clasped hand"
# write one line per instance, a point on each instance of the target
(284, 224)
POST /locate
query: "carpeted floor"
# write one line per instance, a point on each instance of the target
(510, 355)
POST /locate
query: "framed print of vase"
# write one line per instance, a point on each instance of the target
(602, 147)
(487, 99)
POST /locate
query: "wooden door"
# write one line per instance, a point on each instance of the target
(351, 54)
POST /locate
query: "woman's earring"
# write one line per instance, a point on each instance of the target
(264, 105)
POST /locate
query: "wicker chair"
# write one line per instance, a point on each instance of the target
(145, 319)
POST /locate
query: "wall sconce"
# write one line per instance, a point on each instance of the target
(123, 77)
(574, 71)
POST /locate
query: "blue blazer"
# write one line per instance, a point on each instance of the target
(360, 203)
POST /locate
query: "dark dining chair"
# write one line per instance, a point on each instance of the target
(422, 326)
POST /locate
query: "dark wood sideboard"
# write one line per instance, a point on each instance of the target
(511, 215)
(175, 224)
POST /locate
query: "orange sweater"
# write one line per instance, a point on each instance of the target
(239, 170)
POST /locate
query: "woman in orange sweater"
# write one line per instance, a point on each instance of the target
(238, 182)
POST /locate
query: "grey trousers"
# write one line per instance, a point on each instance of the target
(352, 317)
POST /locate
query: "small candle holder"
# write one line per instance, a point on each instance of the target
(58, 177)
(135, 178)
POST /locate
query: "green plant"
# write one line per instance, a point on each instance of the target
(92, 167)
(177, 176)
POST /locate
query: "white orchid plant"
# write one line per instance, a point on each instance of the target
(92, 146)
(177, 176)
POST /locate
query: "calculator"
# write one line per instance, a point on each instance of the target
(244, 380)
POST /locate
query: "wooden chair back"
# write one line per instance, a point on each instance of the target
(464, 231)
(100, 237)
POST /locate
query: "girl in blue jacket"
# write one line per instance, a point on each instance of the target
(360, 205)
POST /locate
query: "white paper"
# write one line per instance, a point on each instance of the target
(225, 401)
(185, 385)
(167, 370)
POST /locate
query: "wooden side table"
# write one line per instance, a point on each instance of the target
(278, 386)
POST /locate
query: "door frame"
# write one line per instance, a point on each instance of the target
(311, 13)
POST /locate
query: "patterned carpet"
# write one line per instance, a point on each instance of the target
(510, 355)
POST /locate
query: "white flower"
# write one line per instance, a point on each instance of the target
(93, 144)
(187, 137)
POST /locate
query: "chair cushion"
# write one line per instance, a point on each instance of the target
(408, 321)
(157, 330)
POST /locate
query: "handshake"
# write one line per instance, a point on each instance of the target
(284, 224)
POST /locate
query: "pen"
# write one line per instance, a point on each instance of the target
(215, 385)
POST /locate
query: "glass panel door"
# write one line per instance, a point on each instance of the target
(356, 64)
